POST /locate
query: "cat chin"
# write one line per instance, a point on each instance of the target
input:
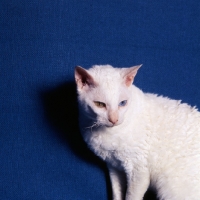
(109, 126)
(112, 125)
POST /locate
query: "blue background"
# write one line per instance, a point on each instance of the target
(42, 155)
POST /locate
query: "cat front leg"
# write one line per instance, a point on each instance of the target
(118, 183)
(138, 181)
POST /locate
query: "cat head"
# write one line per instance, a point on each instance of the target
(105, 93)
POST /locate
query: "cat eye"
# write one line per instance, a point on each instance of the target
(123, 103)
(100, 104)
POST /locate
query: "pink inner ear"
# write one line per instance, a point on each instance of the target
(83, 78)
(129, 80)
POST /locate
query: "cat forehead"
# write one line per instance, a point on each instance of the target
(110, 91)
(105, 73)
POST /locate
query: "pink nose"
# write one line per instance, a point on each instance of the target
(113, 119)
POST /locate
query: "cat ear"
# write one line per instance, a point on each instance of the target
(130, 74)
(83, 78)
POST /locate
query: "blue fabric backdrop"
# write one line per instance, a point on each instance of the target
(42, 155)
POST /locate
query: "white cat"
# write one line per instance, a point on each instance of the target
(145, 139)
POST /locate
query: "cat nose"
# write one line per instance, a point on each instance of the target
(113, 118)
(113, 121)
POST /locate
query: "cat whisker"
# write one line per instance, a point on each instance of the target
(93, 125)
(98, 124)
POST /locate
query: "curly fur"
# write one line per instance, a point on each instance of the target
(155, 141)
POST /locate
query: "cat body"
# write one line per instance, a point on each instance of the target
(145, 139)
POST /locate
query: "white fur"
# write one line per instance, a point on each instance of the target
(155, 142)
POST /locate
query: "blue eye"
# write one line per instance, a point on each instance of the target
(123, 103)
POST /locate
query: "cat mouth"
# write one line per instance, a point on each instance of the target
(110, 125)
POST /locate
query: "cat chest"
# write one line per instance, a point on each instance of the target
(114, 156)
(115, 151)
